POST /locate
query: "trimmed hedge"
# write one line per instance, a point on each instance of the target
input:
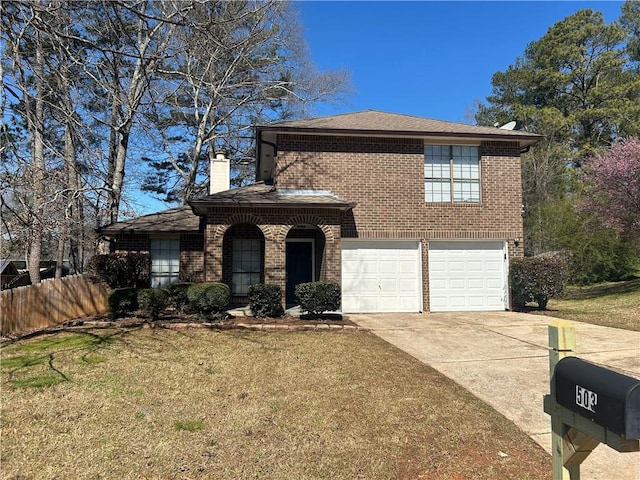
(153, 301)
(178, 296)
(208, 300)
(537, 279)
(123, 301)
(318, 297)
(120, 270)
(265, 300)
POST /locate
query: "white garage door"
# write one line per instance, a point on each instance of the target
(381, 276)
(467, 276)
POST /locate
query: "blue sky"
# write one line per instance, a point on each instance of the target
(427, 58)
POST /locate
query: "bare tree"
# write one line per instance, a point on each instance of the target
(239, 63)
(89, 86)
(42, 178)
(27, 63)
(132, 39)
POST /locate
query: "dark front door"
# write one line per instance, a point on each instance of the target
(299, 267)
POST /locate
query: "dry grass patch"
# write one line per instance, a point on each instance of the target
(614, 304)
(231, 404)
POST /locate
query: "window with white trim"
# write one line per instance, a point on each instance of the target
(165, 261)
(245, 263)
(451, 173)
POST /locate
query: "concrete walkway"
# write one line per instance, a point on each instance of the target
(502, 358)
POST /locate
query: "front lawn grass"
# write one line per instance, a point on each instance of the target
(238, 405)
(612, 304)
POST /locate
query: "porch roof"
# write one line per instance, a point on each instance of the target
(174, 220)
(187, 218)
(263, 195)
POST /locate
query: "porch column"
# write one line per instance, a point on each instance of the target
(212, 254)
(332, 265)
(275, 263)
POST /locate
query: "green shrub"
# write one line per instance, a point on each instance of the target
(537, 279)
(120, 270)
(602, 256)
(153, 301)
(595, 254)
(318, 297)
(265, 300)
(208, 300)
(178, 296)
(123, 301)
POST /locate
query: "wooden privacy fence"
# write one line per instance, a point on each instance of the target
(49, 303)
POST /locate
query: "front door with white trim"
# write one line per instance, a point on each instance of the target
(300, 266)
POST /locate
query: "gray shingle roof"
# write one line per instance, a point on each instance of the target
(377, 122)
(184, 220)
(179, 219)
(263, 195)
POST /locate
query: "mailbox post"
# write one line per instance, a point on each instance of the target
(588, 405)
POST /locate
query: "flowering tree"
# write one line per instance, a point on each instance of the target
(613, 192)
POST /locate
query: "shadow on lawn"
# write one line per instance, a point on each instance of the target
(593, 291)
(45, 351)
(586, 293)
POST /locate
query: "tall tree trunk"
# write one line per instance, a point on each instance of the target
(113, 146)
(64, 234)
(38, 168)
(73, 228)
(70, 225)
(117, 179)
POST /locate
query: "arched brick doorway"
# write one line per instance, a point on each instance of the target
(243, 265)
(305, 245)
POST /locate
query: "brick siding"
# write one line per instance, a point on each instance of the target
(385, 177)
(127, 242)
(192, 257)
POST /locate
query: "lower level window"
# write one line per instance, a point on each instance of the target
(165, 261)
(246, 262)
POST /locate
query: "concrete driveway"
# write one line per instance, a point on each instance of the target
(502, 358)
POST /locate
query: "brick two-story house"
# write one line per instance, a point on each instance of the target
(407, 214)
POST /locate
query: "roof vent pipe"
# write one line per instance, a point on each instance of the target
(219, 171)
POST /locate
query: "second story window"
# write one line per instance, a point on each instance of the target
(451, 174)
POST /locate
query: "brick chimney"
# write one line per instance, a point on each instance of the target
(219, 172)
